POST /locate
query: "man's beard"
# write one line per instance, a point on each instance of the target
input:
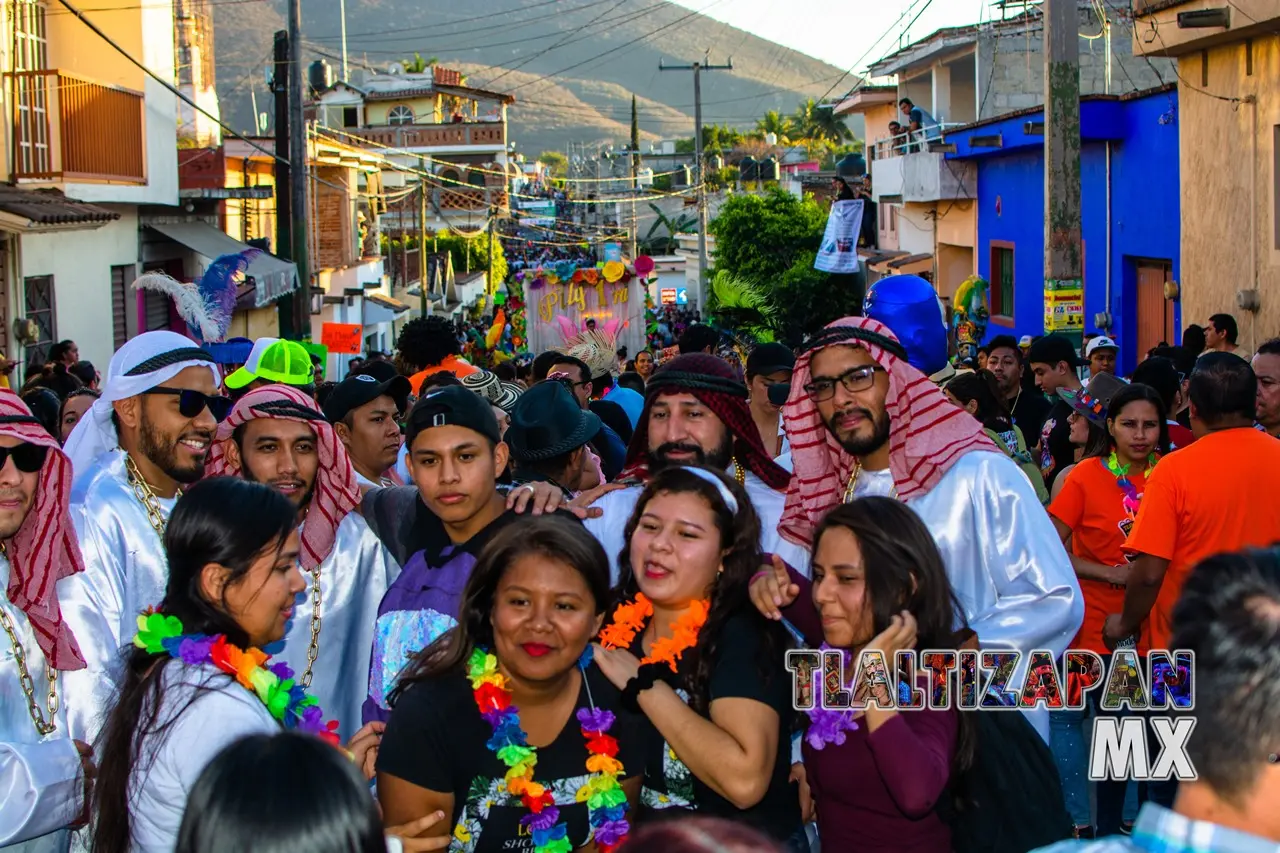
(717, 459)
(163, 452)
(306, 496)
(855, 446)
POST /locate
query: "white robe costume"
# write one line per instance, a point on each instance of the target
(41, 787)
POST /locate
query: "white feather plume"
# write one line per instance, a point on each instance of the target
(186, 297)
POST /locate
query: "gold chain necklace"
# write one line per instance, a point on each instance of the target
(313, 651)
(853, 483)
(739, 473)
(43, 727)
(146, 496)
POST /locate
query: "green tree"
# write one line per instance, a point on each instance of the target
(418, 65)
(771, 241)
(557, 164)
(472, 253)
(817, 128)
(778, 124)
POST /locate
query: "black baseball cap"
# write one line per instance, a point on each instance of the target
(452, 405)
(360, 389)
(770, 358)
(1052, 349)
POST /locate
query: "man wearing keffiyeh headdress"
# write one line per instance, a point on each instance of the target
(276, 435)
(696, 413)
(41, 766)
(145, 438)
(862, 421)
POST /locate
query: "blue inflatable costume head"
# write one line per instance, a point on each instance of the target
(910, 307)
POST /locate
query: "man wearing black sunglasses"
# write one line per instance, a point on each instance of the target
(144, 439)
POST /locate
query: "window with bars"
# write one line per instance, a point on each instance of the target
(38, 296)
(30, 90)
(400, 115)
(121, 277)
(1002, 279)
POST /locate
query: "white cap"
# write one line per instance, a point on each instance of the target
(1100, 342)
(1024, 341)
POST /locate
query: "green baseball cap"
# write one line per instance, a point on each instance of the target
(277, 361)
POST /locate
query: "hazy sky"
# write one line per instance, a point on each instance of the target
(837, 31)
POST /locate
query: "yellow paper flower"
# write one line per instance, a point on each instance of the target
(613, 271)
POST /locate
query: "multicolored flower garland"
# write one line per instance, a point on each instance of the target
(285, 699)
(605, 799)
(1132, 500)
(629, 620)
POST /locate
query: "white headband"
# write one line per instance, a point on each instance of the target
(725, 495)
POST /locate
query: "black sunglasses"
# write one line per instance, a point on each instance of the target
(192, 403)
(28, 458)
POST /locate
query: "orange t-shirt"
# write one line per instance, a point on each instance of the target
(453, 364)
(1091, 503)
(1215, 496)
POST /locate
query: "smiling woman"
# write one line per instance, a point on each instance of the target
(504, 723)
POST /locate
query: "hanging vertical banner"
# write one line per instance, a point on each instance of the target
(612, 252)
(839, 250)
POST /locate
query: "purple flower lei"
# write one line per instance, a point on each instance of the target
(828, 726)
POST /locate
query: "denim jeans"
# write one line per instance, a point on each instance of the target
(1070, 735)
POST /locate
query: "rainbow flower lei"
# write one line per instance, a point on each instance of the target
(285, 699)
(605, 799)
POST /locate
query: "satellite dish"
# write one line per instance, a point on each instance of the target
(396, 69)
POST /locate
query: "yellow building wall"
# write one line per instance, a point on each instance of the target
(877, 122)
(1228, 190)
(74, 48)
(424, 111)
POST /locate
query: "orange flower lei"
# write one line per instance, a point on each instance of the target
(629, 620)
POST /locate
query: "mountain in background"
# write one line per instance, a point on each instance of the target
(572, 65)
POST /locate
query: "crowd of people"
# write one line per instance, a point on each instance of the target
(547, 606)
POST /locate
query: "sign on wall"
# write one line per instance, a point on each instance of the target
(1063, 306)
(342, 338)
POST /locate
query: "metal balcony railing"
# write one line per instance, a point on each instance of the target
(67, 127)
(909, 142)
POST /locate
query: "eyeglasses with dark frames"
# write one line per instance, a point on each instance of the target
(192, 403)
(855, 379)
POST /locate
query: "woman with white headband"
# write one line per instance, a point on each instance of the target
(692, 654)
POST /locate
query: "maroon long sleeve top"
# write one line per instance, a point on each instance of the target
(878, 791)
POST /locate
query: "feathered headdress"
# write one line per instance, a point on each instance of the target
(596, 348)
(206, 305)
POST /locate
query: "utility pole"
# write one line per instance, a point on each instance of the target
(299, 185)
(493, 221)
(284, 195)
(1062, 268)
(342, 17)
(697, 68)
(422, 232)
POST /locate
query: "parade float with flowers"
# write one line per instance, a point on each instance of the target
(561, 301)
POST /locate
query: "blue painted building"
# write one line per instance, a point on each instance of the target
(1144, 223)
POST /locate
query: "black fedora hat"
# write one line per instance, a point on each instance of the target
(547, 422)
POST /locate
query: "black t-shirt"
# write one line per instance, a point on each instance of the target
(436, 739)
(670, 789)
(1056, 449)
(1029, 413)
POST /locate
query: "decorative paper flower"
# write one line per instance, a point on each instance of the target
(592, 275)
(595, 720)
(154, 629)
(613, 270)
(489, 695)
(610, 834)
(602, 745)
(604, 764)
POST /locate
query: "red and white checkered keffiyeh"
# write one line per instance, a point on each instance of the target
(45, 548)
(928, 432)
(336, 492)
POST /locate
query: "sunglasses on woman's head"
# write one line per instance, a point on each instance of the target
(27, 457)
(192, 403)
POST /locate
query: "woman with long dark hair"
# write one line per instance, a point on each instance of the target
(878, 777)
(1094, 512)
(284, 793)
(979, 395)
(688, 649)
(73, 408)
(196, 679)
(504, 723)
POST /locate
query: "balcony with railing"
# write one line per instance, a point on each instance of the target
(71, 128)
(417, 136)
(905, 169)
